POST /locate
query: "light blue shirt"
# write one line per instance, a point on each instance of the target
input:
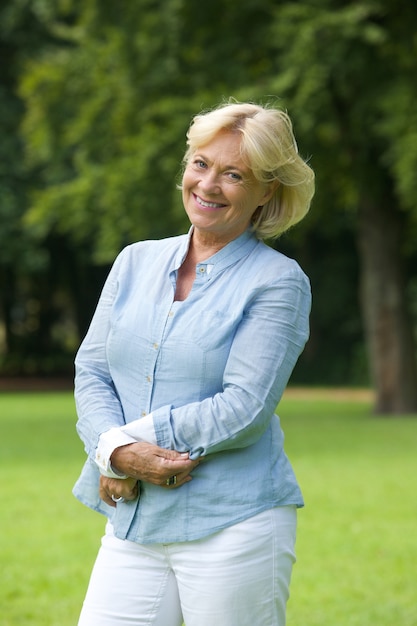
(211, 369)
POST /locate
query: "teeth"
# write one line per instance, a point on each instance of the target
(210, 205)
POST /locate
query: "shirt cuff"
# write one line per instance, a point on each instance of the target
(141, 430)
(107, 443)
(138, 430)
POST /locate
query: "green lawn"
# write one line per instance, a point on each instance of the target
(357, 539)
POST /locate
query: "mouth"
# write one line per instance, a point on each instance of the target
(210, 206)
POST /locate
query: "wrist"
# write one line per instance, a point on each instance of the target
(119, 460)
(109, 441)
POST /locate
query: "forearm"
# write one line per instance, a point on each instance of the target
(149, 463)
(230, 420)
(141, 430)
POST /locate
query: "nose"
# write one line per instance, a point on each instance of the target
(209, 182)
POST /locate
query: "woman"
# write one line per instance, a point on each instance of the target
(189, 351)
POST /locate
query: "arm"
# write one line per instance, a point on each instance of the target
(266, 346)
(146, 462)
(99, 409)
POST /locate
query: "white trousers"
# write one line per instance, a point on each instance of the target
(238, 576)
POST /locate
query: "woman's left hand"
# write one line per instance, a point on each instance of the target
(113, 488)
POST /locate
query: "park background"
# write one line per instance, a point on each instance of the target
(95, 100)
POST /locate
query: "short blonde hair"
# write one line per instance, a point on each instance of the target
(269, 149)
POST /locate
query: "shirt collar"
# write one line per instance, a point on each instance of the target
(231, 253)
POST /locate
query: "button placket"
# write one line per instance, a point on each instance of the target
(156, 346)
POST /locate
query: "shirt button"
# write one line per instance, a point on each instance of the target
(143, 413)
(156, 346)
(171, 314)
(202, 270)
(149, 379)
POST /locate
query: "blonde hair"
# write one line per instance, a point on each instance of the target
(269, 149)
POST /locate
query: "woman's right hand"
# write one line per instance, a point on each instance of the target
(152, 464)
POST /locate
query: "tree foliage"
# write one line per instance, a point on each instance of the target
(349, 77)
(108, 90)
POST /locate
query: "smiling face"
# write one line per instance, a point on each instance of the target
(220, 192)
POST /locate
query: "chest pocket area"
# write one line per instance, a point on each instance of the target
(198, 349)
(212, 330)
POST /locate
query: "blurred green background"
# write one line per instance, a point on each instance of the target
(95, 100)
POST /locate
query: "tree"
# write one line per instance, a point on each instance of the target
(108, 108)
(109, 100)
(22, 262)
(347, 73)
(108, 105)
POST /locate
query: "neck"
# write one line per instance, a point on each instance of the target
(203, 246)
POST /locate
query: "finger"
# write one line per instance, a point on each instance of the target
(114, 488)
(111, 489)
(120, 494)
(106, 497)
(179, 466)
(127, 488)
(130, 494)
(173, 482)
(172, 455)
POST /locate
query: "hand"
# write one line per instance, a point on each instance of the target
(152, 464)
(126, 488)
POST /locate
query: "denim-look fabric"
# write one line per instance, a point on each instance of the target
(211, 369)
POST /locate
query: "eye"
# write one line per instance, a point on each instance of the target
(234, 176)
(200, 164)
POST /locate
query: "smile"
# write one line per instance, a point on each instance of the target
(208, 205)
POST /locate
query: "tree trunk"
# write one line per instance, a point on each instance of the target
(388, 329)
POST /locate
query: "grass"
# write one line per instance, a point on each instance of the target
(48, 540)
(357, 540)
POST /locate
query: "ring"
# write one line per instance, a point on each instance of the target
(171, 481)
(120, 499)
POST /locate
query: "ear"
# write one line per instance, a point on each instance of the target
(270, 189)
